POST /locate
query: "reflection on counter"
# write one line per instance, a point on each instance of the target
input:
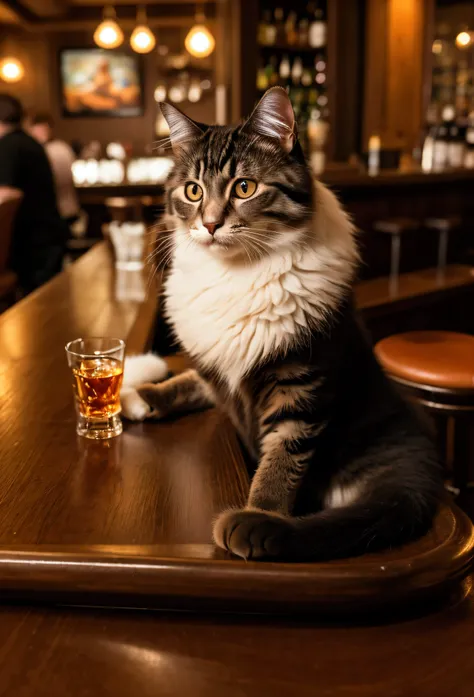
(142, 170)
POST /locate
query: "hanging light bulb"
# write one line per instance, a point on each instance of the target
(199, 42)
(464, 39)
(142, 39)
(11, 70)
(108, 34)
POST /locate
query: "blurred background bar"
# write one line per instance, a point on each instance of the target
(383, 93)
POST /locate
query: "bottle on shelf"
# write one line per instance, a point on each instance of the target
(262, 79)
(262, 29)
(285, 69)
(317, 132)
(469, 154)
(303, 31)
(271, 70)
(279, 26)
(428, 138)
(441, 139)
(297, 71)
(318, 27)
(457, 142)
(307, 77)
(267, 30)
(290, 29)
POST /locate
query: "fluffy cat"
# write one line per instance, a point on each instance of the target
(259, 295)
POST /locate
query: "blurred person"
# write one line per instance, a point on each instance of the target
(61, 157)
(39, 234)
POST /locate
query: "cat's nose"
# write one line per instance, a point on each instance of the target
(212, 227)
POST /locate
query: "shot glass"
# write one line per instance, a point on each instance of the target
(97, 369)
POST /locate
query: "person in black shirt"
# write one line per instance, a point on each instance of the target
(39, 234)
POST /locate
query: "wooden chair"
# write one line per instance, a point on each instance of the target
(436, 369)
(9, 203)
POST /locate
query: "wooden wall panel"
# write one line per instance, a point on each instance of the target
(394, 70)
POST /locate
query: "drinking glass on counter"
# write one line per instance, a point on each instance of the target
(128, 240)
(97, 369)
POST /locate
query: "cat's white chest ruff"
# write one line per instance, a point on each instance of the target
(231, 317)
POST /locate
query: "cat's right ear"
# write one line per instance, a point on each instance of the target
(183, 130)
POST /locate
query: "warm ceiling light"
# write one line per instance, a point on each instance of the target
(199, 42)
(464, 39)
(108, 34)
(142, 39)
(11, 70)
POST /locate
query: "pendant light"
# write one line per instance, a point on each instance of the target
(108, 34)
(199, 42)
(142, 39)
(464, 39)
(11, 70)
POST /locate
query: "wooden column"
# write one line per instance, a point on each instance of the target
(395, 70)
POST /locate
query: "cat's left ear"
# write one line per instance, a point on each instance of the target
(274, 117)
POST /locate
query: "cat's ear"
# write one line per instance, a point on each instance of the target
(183, 130)
(274, 117)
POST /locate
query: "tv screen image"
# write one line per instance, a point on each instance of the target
(95, 82)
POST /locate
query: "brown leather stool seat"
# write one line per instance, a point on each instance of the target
(436, 369)
(438, 359)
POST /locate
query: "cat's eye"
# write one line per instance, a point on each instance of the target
(244, 188)
(193, 192)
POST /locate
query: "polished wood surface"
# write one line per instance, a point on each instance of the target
(160, 484)
(199, 577)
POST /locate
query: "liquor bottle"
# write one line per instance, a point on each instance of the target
(266, 30)
(317, 130)
(262, 79)
(285, 69)
(428, 138)
(280, 26)
(297, 71)
(441, 139)
(290, 29)
(272, 71)
(303, 32)
(469, 155)
(457, 142)
(307, 77)
(317, 29)
(262, 29)
(271, 31)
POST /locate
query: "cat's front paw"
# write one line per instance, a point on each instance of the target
(134, 408)
(253, 534)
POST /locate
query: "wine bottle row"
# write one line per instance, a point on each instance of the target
(449, 142)
(305, 29)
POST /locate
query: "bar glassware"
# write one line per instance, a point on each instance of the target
(97, 371)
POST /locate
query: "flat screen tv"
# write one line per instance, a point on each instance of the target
(98, 82)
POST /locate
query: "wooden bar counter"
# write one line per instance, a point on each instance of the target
(67, 504)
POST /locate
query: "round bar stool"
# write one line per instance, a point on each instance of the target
(444, 227)
(436, 369)
(395, 227)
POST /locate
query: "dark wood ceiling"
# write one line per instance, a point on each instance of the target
(38, 13)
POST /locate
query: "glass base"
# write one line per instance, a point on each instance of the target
(99, 429)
